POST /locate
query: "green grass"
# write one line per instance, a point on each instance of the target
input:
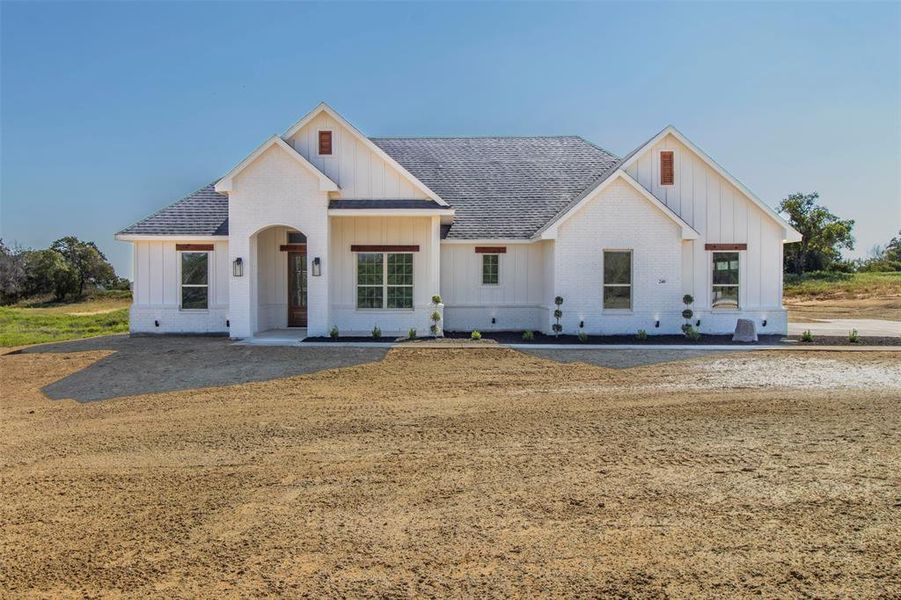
(843, 285)
(23, 326)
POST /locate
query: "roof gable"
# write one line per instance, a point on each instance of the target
(549, 231)
(791, 235)
(324, 110)
(226, 184)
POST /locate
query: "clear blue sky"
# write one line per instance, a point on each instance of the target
(113, 110)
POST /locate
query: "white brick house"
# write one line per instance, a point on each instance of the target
(323, 227)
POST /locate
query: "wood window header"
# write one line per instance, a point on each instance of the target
(491, 249)
(725, 247)
(325, 142)
(667, 167)
(193, 247)
(374, 248)
(293, 247)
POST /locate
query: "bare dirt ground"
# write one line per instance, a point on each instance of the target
(461, 472)
(812, 310)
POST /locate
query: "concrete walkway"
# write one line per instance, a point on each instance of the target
(841, 327)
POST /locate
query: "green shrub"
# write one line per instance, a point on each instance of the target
(807, 336)
(528, 336)
(642, 335)
(411, 334)
(334, 333)
(853, 336)
(691, 333)
(583, 337)
(376, 332)
(475, 335)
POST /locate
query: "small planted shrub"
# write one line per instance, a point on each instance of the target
(642, 335)
(436, 316)
(528, 336)
(376, 332)
(853, 336)
(475, 335)
(558, 314)
(411, 334)
(687, 314)
(583, 337)
(334, 333)
(807, 336)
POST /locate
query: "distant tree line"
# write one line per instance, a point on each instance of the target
(825, 237)
(64, 271)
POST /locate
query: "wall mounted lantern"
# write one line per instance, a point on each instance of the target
(317, 267)
(238, 267)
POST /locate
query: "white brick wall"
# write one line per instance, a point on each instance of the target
(275, 190)
(619, 219)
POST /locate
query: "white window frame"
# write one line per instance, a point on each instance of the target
(385, 284)
(659, 171)
(482, 269)
(332, 131)
(630, 285)
(737, 285)
(181, 284)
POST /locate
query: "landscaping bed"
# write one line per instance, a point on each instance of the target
(540, 339)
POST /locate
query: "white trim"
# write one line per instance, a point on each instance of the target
(226, 183)
(323, 107)
(331, 131)
(688, 232)
(146, 237)
(659, 172)
(740, 285)
(390, 212)
(790, 233)
(630, 285)
(181, 285)
(482, 270)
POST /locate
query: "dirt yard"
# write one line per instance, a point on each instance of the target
(462, 472)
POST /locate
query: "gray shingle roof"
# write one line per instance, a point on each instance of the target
(401, 204)
(501, 187)
(205, 212)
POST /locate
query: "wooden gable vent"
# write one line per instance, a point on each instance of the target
(667, 168)
(325, 142)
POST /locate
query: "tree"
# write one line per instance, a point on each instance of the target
(48, 272)
(825, 235)
(87, 262)
(12, 274)
(883, 258)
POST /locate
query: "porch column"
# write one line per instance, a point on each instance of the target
(242, 301)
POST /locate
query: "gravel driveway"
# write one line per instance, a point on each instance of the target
(144, 365)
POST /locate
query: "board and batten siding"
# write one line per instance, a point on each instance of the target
(388, 231)
(360, 172)
(721, 213)
(157, 289)
(518, 301)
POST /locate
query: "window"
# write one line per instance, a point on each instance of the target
(194, 280)
(296, 237)
(725, 280)
(325, 143)
(490, 268)
(384, 280)
(618, 279)
(667, 167)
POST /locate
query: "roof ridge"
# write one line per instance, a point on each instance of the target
(477, 137)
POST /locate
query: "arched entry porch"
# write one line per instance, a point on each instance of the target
(282, 279)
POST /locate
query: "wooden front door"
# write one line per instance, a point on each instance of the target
(297, 289)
